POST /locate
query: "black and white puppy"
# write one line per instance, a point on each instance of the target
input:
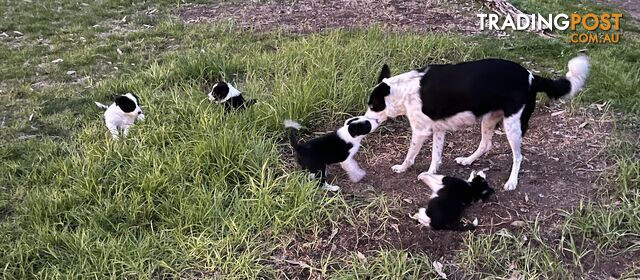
(441, 98)
(225, 93)
(122, 113)
(449, 197)
(339, 146)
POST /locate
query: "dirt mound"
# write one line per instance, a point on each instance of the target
(304, 16)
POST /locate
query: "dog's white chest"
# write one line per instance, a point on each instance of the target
(118, 118)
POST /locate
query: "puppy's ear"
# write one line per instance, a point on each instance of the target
(126, 105)
(137, 98)
(359, 128)
(384, 73)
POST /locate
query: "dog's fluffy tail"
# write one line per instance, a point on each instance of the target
(569, 85)
(293, 132)
(100, 105)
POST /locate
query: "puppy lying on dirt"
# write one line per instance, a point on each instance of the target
(335, 147)
(449, 197)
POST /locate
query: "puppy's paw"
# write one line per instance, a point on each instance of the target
(422, 217)
(511, 185)
(399, 168)
(424, 175)
(357, 176)
(331, 188)
(464, 161)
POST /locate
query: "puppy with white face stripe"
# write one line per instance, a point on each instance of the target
(339, 146)
(122, 114)
(449, 197)
(441, 98)
(225, 93)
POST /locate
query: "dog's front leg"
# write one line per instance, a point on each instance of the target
(125, 130)
(353, 170)
(417, 140)
(114, 130)
(436, 151)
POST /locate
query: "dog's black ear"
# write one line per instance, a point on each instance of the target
(137, 98)
(126, 105)
(384, 73)
(376, 99)
(359, 128)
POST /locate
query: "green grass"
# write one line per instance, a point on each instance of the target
(195, 192)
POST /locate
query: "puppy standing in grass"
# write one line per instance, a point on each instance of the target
(441, 98)
(226, 94)
(122, 113)
(336, 147)
(449, 197)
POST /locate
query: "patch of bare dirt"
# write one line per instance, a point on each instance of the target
(562, 159)
(304, 16)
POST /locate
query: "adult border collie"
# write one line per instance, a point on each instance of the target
(441, 98)
(339, 146)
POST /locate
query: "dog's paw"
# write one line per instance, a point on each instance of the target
(464, 161)
(357, 176)
(510, 185)
(422, 217)
(331, 188)
(424, 174)
(399, 168)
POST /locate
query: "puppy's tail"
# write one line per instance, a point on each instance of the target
(100, 105)
(293, 132)
(569, 85)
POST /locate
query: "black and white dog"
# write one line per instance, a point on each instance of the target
(339, 146)
(441, 98)
(225, 93)
(449, 197)
(122, 113)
